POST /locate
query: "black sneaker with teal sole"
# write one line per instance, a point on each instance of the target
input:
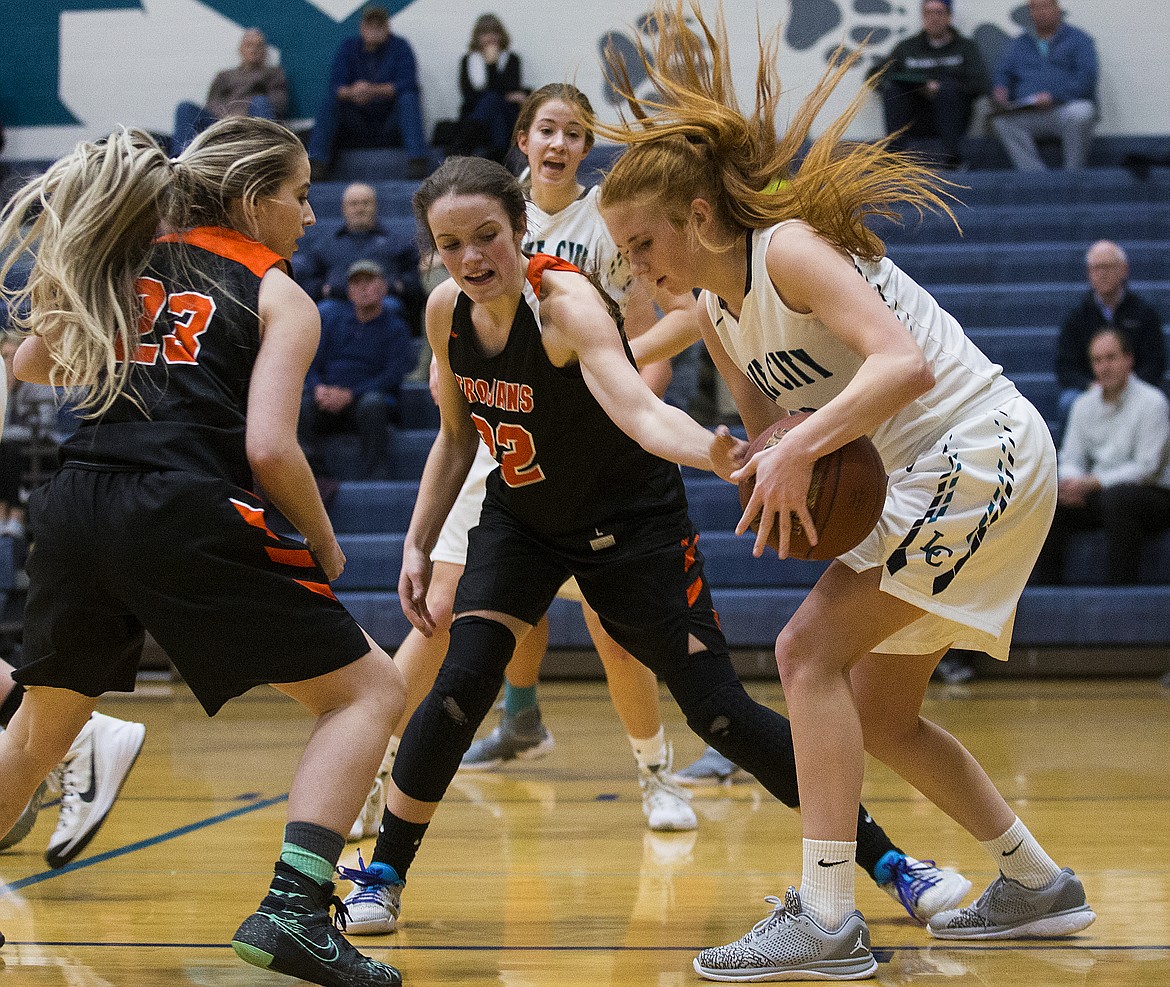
(293, 933)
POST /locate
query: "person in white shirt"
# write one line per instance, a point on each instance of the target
(1114, 464)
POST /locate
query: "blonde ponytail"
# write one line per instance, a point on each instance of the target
(88, 224)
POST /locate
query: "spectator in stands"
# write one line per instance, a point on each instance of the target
(1108, 302)
(489, 82)
(28, 446)
(322, 264)
(1046, 86)
(373, 97)
(931, 82)
(1114, 464)
(253, 89)
(366, 350)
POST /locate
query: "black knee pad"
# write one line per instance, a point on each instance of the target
(444, 725)
(755, 737)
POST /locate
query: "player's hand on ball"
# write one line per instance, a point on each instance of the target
(782, 479)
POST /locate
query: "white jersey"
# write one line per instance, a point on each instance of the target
(972, 467)
(801, 366)
(578, 235)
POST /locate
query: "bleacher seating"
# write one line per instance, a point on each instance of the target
(1009, 276)
(1017, 267)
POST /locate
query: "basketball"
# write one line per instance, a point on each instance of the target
(845, 497)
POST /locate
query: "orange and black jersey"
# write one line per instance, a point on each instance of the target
(565, 467)
(200, 335)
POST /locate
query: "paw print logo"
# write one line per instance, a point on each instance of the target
(884, 24)
(625, 49)
(878, 23)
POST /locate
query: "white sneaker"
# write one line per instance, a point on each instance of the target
(667, 807)
(92, 774)
(370, 818)
(375, 903)
(925, 889)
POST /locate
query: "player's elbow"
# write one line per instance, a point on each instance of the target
(919, 377)
(270, 455)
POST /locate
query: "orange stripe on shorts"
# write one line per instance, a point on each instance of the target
(321, 589)
(253, 515)
(300, 557)
(693, 591)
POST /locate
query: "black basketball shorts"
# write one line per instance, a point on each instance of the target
(647, 584)
(191, 560)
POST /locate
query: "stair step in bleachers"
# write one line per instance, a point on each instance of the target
(1081, 223)
(1028, 303)
(362, 507)
(1009, 263)
(375, 164)
(409, 448)
(393, 198)
(1024, 349)
(416, 409)
(1095, 185)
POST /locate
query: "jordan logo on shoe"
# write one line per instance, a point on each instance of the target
(830, 863)
(1008, 853)
(859, 946)
(90, 793)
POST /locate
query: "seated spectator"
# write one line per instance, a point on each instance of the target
(1114, 464)
(322, 263)
(489, 82)
(931, 82)
(28, 448)
(352, 385)
(1046, 86)
(253, 89)
(373, 97)
(1108, 302)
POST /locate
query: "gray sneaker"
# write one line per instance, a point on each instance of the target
(521, 736)
(712, 768)
(27, 819)
(1008, 910)
(789, 945)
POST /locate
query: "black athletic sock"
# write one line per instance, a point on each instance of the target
(398, 842)
(11, 703)
(872, 843)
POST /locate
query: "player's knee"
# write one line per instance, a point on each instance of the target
(473, 671)
(719, 714)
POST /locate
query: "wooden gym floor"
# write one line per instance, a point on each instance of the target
(544, 874)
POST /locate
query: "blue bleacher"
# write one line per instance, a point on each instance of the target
(1009, 277)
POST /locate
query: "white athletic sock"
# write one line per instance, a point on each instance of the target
(391, 753)
(650, 753)
(1020, 857)
(826, 884)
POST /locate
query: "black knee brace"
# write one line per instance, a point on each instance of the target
(444, 725)
(718, 709)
